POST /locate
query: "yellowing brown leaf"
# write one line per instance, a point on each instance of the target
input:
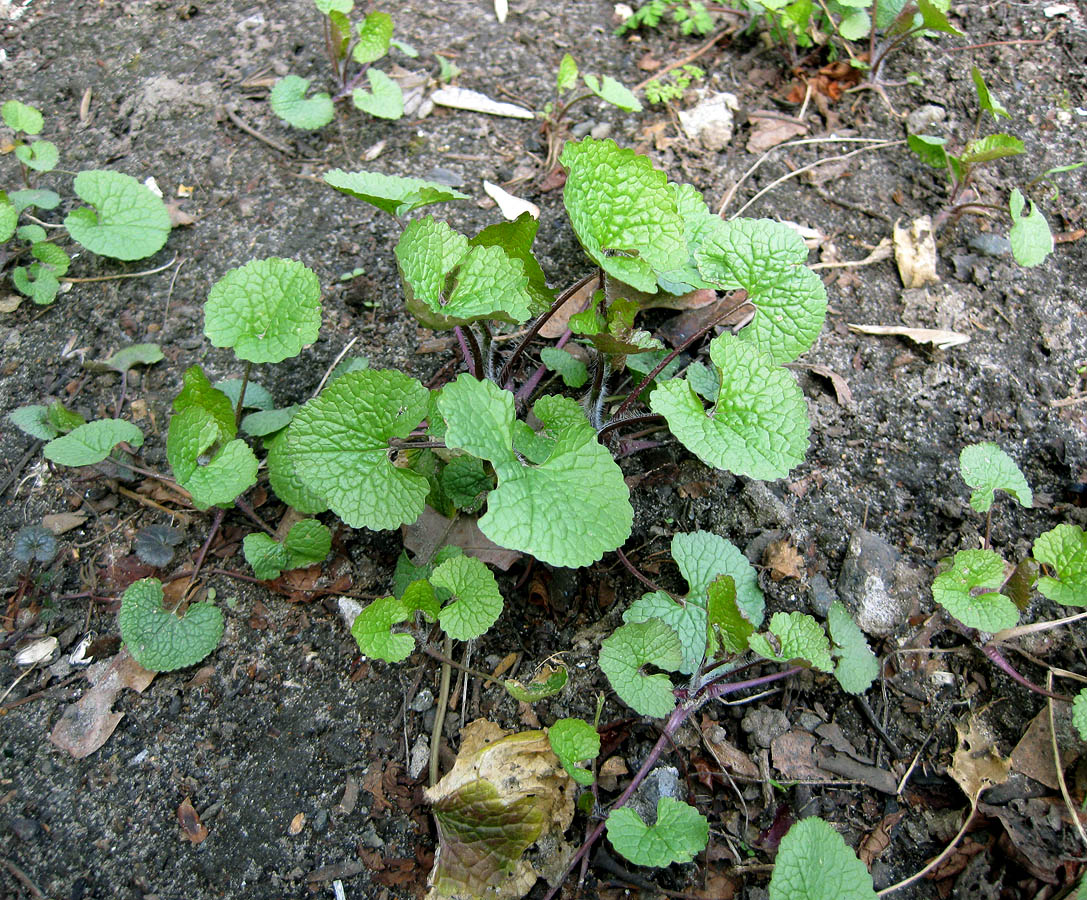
(976, 765)
(783, 560)
(504, 793)
(194, 830)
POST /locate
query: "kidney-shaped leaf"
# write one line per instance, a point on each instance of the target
(91, 443)
(814, 863)
(759, 424)
(128, 221)
(794, 636)
(339, 446)
(1064, 549)
(678, 835)
(475, 601)
(987, 468)
(569, 509)
(957, 591)
(767, 259)
(289, 102)
(267, 310)
(632, 646)
(160, 641)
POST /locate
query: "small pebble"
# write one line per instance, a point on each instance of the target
(990, 244)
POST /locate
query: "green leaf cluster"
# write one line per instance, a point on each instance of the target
(460, 593)
(360, 43)
(307, 543)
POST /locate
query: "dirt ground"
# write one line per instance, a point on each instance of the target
(292, 751)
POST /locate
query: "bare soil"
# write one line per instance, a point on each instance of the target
(293, 751)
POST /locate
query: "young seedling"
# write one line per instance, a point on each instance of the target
(1030, 237)
(814, 863)
(125, 219)
(352, 49)
(672, 86)
(555, 115)
(692, 17)
(982, 592)
(710, 635)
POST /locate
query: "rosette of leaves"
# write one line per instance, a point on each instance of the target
(449, 282)
(702, 557)
(569, 504)
(26, 121)
(306, 544)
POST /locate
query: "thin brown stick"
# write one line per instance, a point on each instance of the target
(23, 879)
(1072, 811)
(240, 123)
(724, 32)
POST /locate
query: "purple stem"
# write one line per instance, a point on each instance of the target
(997, 658)
(675, 720)
(529, 386)
(470, 350)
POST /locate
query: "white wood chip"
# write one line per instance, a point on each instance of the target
(510, 207)
(474, 101)
(501, 10)
(939, 338)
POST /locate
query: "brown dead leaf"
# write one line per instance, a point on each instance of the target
(193, 829)
(783, 560)
(1033, 755)
(649, 63)
(372, 782)
(728, 756)
(693, 489)
(727, 311)
(879, 839)
(842, 393)
(87, 724)
(60, 523)
(557, 324)
(940, 338)
(297, 823)
(719, 886)
(976, 765)
(432, 530)
(915, 253)
(767, 133)
(178, 217)
(612, 769)
(793, 755)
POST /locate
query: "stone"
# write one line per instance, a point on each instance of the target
(990, 244)
(821, 595)
(663, 781)
(711, 121)
(921, 120)
(866, 584)
(764, 723)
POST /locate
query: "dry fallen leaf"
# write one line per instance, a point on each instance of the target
(474, 101)
(783, 560)
(938, 337)
(915, 253)
(87, 724)
(728, 756)
(194, 830)
(976, 765)
(556, 325)
(60, 523)
(505, 792)
(431, 530)
(767, 133)
(879, 839)
(296, 824)
(510, 207)
(611, 770)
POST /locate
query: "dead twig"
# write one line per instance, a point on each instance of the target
(1072, 811)
(121, 275)
(242, 125)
